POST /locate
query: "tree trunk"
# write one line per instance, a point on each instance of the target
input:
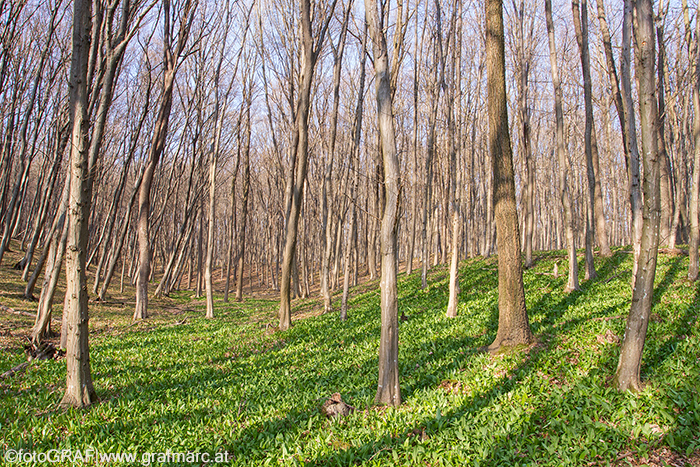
(666, 179)
(117, 248)
(244, 200)
(61, 143)
(455, 181)
(627, 376)
(572, 282)
(300, 144)
(694, 261)
(327, 184)
(388, 390)
(628, 102)
(79, 388)
(624, 105)
(436, 86)
(160, 133)
(513, 324)
(580, 13)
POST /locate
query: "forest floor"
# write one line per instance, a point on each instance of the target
(236, 389)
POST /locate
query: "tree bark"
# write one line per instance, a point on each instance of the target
(630, 120)
(327, 184)
(436, 87)
(388, 390)
(79, 387)
(244, 199)
(572, 282)
(513, 324)
(300, 144)
(455, 181)
(170, 62)
(694, 244)
(627, 376)
(580, 13)
(622, 94)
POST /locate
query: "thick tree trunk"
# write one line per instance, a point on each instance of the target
(627, 376)
(513, 324)
(572, 282)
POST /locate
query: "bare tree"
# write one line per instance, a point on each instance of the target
(513, 324)
(595, 202)
(388, 390)
(171, 61)
(572, 282)
(327, 185)
(300, 142)
(80, 391)
(622, 97)
(627, 375)
(454, 102)
(694, 261)
(248, 99)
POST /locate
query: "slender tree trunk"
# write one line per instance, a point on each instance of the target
(627, 376)
(513, 324)
(694, 244)
(244, 200)
(117, 248)
(628, 103)
(414, 182)
(580, 13)
(436, 86)
(200, 247)
(666, 179)
(61, 143)
(572, 282)
(79, 388)
(327, 184)
(160, 133)
(300, 144)
(455, 181)
(11, 215)
(388, 391)
(56, 250)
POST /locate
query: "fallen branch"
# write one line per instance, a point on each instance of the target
(18, 369)
(16, 312)
(24, 313)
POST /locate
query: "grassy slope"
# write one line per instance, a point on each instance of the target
(231, 384)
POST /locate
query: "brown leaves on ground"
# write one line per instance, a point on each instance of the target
(608, 337)
(454, 387)
(660, 457)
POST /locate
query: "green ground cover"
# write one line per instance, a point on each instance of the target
(234, 385)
